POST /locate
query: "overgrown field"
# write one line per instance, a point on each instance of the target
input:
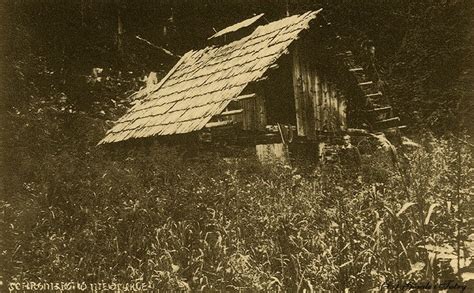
(204, 222)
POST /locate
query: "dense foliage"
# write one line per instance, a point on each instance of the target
(73, 211)
(423, 48)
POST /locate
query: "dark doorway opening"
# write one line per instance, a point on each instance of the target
(279, 95)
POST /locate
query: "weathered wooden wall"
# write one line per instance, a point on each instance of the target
(320, 106)
(253, 117)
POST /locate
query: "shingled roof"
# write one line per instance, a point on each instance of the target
(204, 82)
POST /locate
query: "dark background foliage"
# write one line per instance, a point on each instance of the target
(71, 210)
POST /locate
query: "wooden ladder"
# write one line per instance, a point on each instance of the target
(379, 113)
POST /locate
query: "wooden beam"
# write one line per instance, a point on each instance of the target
(379, 114)
(382, 109)
(394, 128)
(389, 120)
(219, 123)
(387, 123)
(298, 91)
(374, 94)
(244, 97)
(232, 112)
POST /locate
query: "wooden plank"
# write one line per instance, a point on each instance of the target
(333, 108)
(219, 123)
(261, 113)
(365, 83)
(394, 128)
(297, 91)
(338, 110)
(254, 113)
(320, 102)
(328, 108)
(324, 104)
(382, 109)
(312, 99)
(237, 118)
(243, 118)
(303, 89)
(232, 112)
(308, 96)
(343, 112)
(310, 93)
(316, 104)
(250, 113)
(244, 97)
(389, 120)
(387, 123)
(307, 105)
(374, 94)
(380, 113)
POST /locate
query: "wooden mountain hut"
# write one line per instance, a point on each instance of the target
(267, 85)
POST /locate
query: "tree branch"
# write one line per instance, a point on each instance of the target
(167, 52)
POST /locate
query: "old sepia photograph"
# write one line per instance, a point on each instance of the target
(236, 146)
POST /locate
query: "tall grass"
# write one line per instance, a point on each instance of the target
(202, 223)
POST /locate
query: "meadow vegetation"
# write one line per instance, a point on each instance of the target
(206, 222)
